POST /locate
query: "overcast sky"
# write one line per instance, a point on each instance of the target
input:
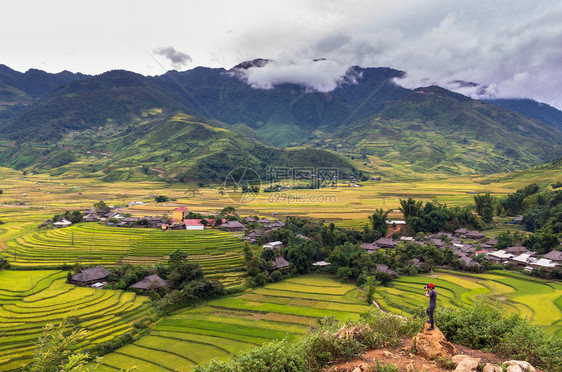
(513, 48)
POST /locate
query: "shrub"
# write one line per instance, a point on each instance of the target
(483, 326)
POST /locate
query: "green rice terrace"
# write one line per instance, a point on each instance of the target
(31, 299)
(539, 301)
(228, 325)
(219, 253)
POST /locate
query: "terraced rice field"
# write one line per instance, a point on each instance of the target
(228, 325)
(218, 253)
(538, 300)
(31, 299)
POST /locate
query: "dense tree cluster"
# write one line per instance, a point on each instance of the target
(74, 216)
(542, 215)
(431, 218)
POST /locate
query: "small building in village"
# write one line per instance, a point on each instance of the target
(90, 276)
(180, 213)
(386, 243)
(150, 282)
(62, 223)
(193, 224)
(276, 245)
(233, 226)
(280, 263)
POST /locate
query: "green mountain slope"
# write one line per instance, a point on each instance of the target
(435, 130)
(18, 91)
(178, 147)
(533, 109)
(114, 98)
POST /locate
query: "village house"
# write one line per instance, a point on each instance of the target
(91, 218)
(518, 250)
(150, 282)
(321, 264)
(469, 263)
(62, 223)
(301, 236)
(543, 263)
(416, 262)
(555, 256)
(180, 213)
(273, 245)
(254, 236)
(499, 256)
(386, 270)
(249, 219)
(117, 215)
(233, 226)
(153, 221)
(280, 263)
(274, 225)
(193, 224)
(386, 243)
(44, 224)
(461, 232)
(264, 220)
(474, 235)
(524, 259)
(369, 247)
(90, 276)
(438, 243)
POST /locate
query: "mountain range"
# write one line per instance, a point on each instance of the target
(201, 123)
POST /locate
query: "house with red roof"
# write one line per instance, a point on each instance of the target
(193, 224)
(180, 213)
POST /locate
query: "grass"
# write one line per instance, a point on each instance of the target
(31, 299)
(226, 326)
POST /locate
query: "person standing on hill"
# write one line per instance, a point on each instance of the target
(432, 294)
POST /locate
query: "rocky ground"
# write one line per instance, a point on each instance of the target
(434, 354)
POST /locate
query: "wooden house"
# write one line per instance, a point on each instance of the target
(90, 276)
(150, 282)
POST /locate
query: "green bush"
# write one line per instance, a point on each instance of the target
(484, 327)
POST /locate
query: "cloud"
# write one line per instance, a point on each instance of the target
(178, 59)
(317, 75)
(508, 51)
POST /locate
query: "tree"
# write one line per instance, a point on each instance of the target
(267, 255)
(487, 215)
(248, 254)
(378, 221)
(161, 199)
(410, 208)
(371, 287)
(541, 242)
(227, 210)
(301, 254)
(54, 350)
(177, 258)
(253, 267)
(483, 201)
(4, 264)
(101, 207)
